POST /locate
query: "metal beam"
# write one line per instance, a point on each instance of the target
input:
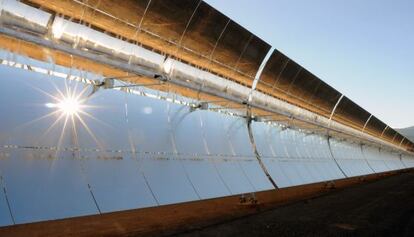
(366, 123)
(147, 72)
(383, 131)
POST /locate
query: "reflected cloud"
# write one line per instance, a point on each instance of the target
(147, 110)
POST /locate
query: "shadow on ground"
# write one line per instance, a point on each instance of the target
(381, 208)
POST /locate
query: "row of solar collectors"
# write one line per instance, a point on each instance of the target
(196, 33)
(117, 151)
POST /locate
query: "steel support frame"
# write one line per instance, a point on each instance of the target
(147, 72)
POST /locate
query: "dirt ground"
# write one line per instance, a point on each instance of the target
(380, 208)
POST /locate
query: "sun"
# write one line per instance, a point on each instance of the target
(68, 105)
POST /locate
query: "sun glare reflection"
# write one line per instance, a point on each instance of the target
(69, 106)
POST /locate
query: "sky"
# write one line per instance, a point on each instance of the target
(364, 49)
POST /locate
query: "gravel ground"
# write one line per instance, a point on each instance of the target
(380, 208)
